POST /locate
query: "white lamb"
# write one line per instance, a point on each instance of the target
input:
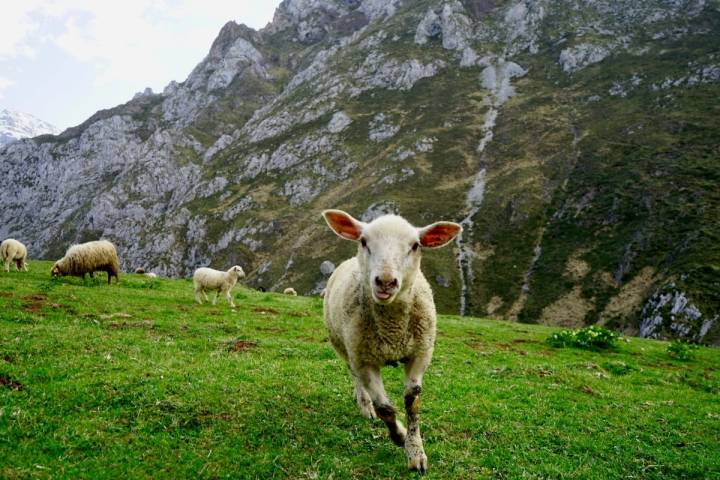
(220, 282)
(12, 251)
(290, 291)
(379, 310)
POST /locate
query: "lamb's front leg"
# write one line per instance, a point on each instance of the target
(414, 370)
(373, 384)
(229, 298)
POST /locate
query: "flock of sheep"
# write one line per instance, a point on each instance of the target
(378, 307)
(101, 256)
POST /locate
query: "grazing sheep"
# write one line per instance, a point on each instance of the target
(290, 291)
(209, 279)
(139, 270)
(379, 310)
(13, 251)
(151, 275)
(90, 257)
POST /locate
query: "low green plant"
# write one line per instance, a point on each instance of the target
(592, 337)
(618, 367)
(682, 350)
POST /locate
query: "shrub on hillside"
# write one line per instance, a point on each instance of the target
(682, 350)
(592, 337)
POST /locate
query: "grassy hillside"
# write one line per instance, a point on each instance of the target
(137, 381)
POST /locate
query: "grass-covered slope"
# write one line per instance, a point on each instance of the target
(137, 381)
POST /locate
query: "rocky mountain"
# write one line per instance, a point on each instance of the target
(17, 125)
(576, 140)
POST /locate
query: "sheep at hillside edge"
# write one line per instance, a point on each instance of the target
(290, 291)
(379, 310)
(13, 251)
(222, 282)
(90, 257)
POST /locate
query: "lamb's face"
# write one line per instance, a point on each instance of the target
(389, 249)
(55, 271)
(238, 271)
(389, 257)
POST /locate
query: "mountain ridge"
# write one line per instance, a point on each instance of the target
(560, 132)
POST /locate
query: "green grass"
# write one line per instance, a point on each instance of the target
(136, 381)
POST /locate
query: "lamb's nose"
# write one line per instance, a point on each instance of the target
(386, 283)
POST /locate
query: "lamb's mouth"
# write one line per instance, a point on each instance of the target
(382, 296)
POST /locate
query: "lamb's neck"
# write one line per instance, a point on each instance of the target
(392, 320)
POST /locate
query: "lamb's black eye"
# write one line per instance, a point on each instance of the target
(363, 242)
(415, 246)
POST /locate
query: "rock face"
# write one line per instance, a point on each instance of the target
(559, 132)
(17, 125)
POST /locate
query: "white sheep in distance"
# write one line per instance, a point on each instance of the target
(89, 257)
(13, 251)
(379, 310)
(290, 291)
(210, 279)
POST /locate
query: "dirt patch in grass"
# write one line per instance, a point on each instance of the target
(145, 325)
(509, 348)
(34, 303)
(115, 315)
(309, 339)
(299, 314)
(524, 340)
(586, 389)
(7, 381)
(36, 297)
(7, 294)
(265, 310)
(271, 329)
(241, 345)
(477, 344)
(543, 372)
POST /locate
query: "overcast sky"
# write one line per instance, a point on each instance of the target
(62, 60)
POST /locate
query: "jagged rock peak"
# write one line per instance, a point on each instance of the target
(313, 20)
(229, 34)
(233, 51)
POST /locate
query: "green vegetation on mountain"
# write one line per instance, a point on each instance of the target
(586, 133)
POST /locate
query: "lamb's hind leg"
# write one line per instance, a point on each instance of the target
(414, 370)
(372, 383)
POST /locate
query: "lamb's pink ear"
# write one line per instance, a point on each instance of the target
(438, 234)
(343, 224)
